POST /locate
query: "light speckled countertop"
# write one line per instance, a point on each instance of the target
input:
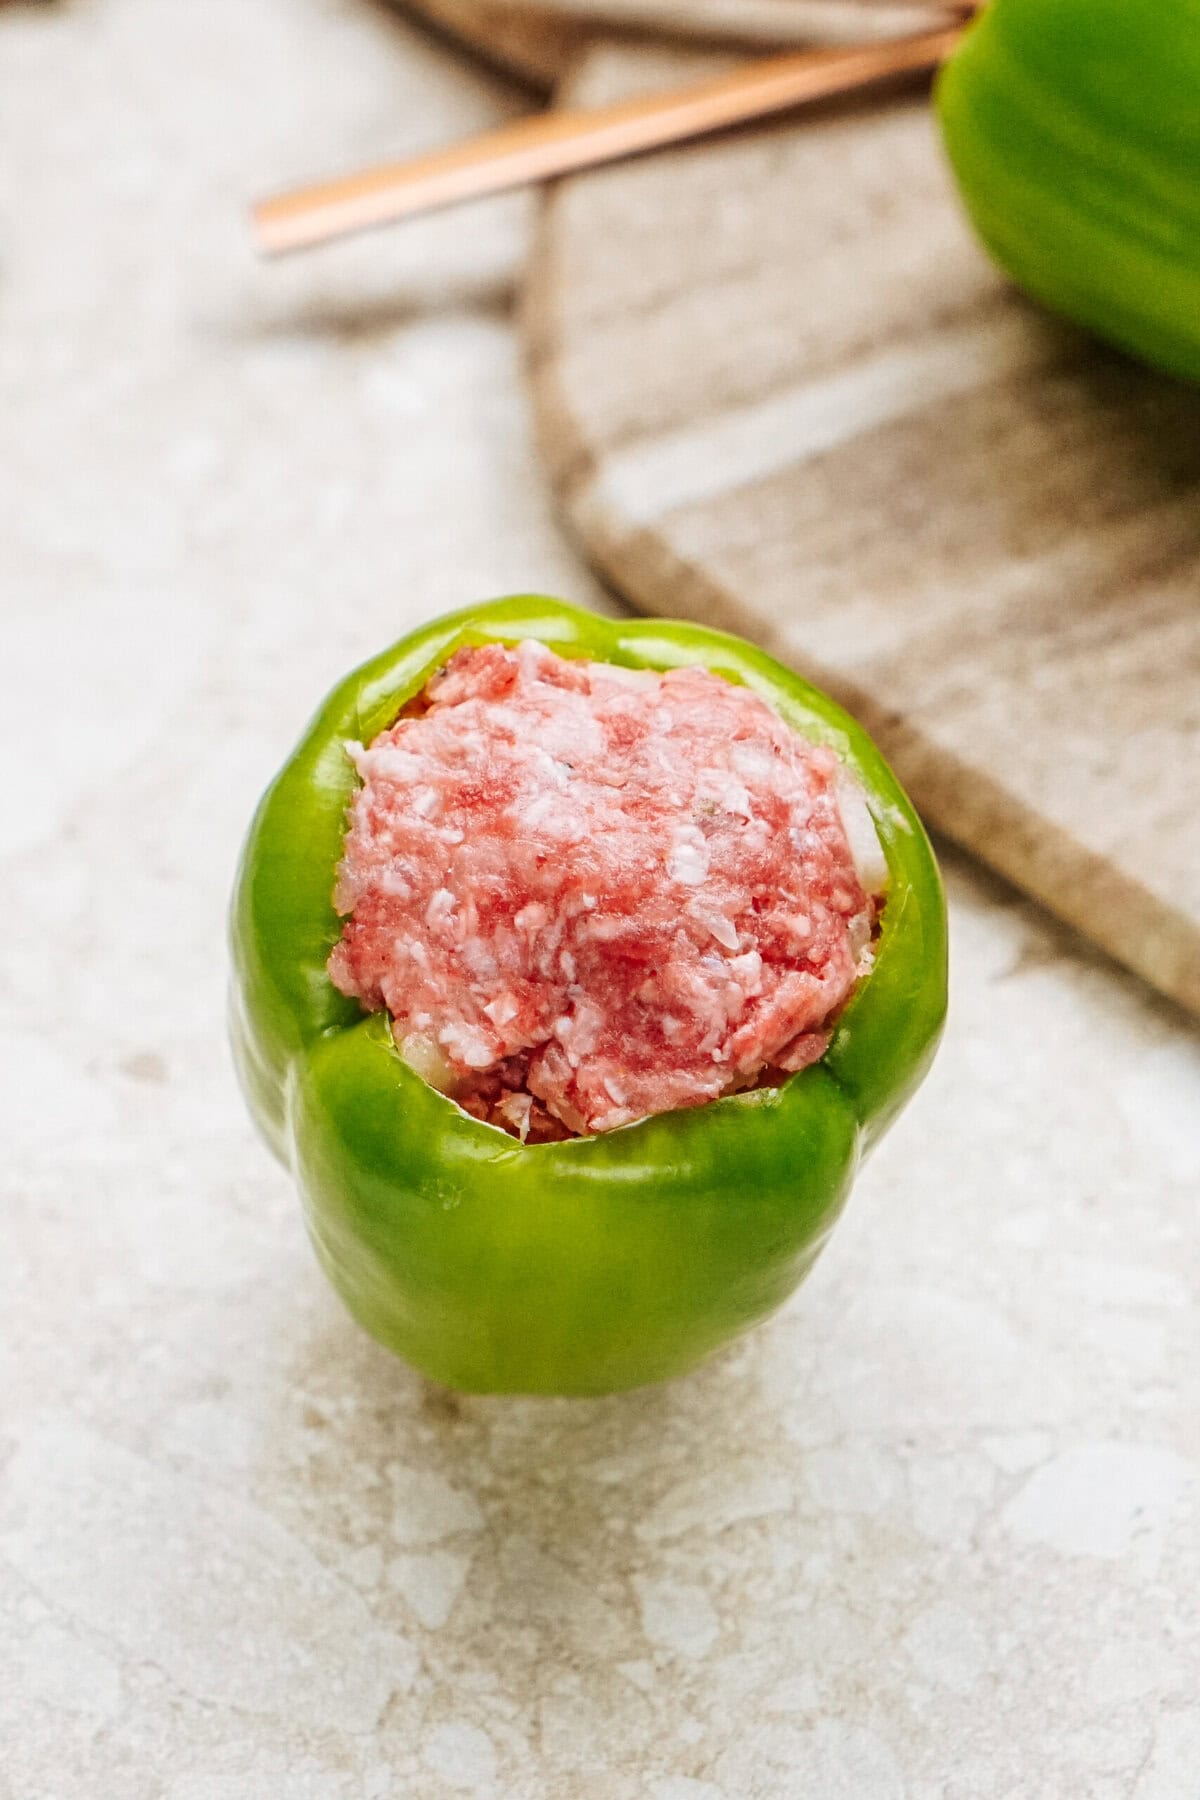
(932, 1534)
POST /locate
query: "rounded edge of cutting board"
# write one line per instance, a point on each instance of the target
(525, 41)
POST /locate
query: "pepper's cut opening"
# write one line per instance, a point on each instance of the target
(586, 893)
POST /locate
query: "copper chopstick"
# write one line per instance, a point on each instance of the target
(556, 142)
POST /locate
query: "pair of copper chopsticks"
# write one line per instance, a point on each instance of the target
(554, 143)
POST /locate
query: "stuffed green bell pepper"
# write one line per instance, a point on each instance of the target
(620, 1249)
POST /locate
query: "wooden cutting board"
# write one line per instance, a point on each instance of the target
(542, 39)
(780, 390)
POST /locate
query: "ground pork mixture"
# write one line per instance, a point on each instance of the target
(588, 893)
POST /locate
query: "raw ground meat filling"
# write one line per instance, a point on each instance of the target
(588, 893)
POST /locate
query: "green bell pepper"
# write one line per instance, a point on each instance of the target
(602, 1262)
(1073, 128)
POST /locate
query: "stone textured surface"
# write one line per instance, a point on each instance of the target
(930, 1535)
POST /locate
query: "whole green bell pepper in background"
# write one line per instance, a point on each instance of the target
(603, 1262)
(1073, 128)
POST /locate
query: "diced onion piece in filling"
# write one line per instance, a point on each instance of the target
(861, 835)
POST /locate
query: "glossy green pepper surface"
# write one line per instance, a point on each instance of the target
(1073, 127)
(602, 1262)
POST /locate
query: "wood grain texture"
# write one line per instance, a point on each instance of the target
(780, 390)
(542, 39)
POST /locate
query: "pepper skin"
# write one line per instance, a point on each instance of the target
(1073, 128)
(600, 1263)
